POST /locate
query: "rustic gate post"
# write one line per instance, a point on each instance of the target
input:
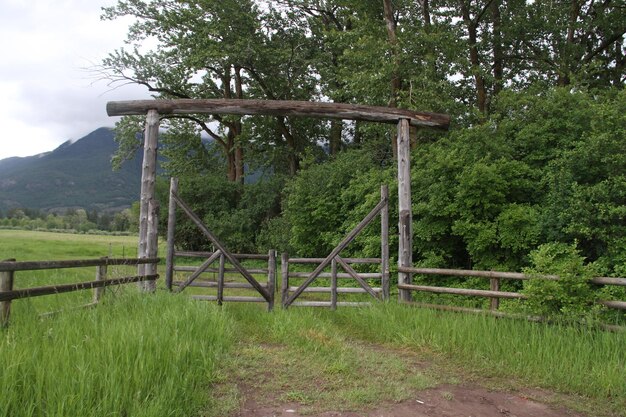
(405, 250)
(384, 242)
(148, 180)
(171, 227)
(271, 278)
(6, 284)
(101, 275)
(152, 246)
(284, 279)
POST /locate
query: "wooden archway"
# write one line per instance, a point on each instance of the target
(153, 109)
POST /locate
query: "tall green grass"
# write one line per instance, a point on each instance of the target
(570, 359)
(133, 355)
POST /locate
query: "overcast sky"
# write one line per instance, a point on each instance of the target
(48, 95)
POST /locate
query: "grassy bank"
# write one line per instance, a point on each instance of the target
(134, 355)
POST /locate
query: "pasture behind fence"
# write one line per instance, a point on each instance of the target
(8, 269)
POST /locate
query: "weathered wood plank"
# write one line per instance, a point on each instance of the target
(620, 305)
(213, 284)
(405, 222)
(148, 184)
(195, 254)
(284, 279)
(384, 242)
(215, 270)
(348, 260)
(271, 278)
(356, 276)
(462, 291)
(199, 271)
(494, 285)
(152, 247)
(6, 285)
(333, 285)
(62, 288)
(101, 275)
(221, 247)
(81, 263)
(171, 228)
(328, 304)
(220, 280)
(340, 290)
(241, 299)
(280, 108)
(341, 275)
(341, 246)
(503, 275)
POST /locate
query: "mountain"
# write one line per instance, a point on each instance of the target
(76, 174)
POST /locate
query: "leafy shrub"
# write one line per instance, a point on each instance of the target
(572, 297)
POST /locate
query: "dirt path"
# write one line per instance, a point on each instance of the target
(278, 389)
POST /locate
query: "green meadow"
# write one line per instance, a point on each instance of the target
(166, 355)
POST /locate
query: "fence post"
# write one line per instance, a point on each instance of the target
(220, 280)
(171, 227)
(494, 285)
(6, 284)
(153, 243)
(405, 222)
(384, 242)
(271, 278)
(333, 285)
(284, 279)
(101, 275)
(148, 227)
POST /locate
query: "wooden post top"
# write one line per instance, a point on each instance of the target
(280, 108)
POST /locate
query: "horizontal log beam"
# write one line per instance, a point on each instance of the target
(340, 290)
(329, 304)
(280, 108)
(503, 275)
(213, 284)
(462, 291)
(348, 260)
(215, 270)
(364, 275)
(39, 265)
(62, 288)
(194, 254)
(241, 299)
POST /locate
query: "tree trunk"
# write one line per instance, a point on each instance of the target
(336, 127)
(396, 81)
(479, 81)
(498, 56)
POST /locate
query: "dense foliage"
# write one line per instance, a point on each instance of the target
(536, 155)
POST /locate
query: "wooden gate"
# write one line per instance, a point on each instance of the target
(290, 294)
(220, 255)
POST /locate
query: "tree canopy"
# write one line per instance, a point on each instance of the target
(535, 90)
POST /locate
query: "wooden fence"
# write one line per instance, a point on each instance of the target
(9, 267)
(334, 289)
(219, 282)
(494, 292)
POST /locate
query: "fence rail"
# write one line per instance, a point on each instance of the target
(334, 289)
(8, 268)
(494, 292)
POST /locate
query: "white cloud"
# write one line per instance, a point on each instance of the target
(48, 96)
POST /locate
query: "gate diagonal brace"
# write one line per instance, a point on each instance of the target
(341, 246)
(234, 262)
(356, 276)
(199, 271)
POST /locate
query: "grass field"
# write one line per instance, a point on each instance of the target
(165, 355)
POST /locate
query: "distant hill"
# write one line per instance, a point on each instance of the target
(76, 174)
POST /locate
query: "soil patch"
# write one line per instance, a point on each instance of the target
(442, 401)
